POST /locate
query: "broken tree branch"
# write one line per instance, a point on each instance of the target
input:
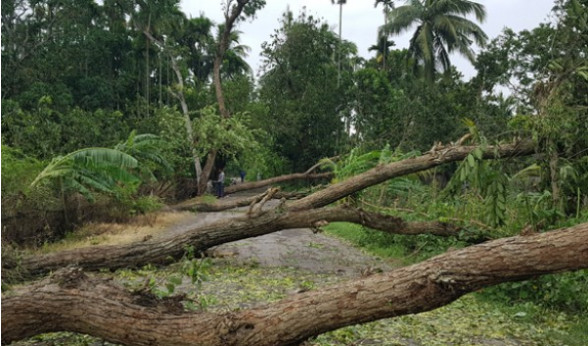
(276, 180)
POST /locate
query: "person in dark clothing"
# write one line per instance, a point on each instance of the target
(220, 184)
(242, 174)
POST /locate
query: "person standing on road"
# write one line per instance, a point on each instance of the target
(221, 184)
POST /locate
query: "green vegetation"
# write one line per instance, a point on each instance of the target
(109, 112)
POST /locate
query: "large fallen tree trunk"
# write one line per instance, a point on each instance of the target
(166, 249)
(382, 173)
(71, 301)
(277, 180)
(196, 204)
(294, 215)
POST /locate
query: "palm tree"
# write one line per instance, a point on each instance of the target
(196, 35)
(340, 3)
(388, 4)
(382, 49)
(234, 62)
(441, 30)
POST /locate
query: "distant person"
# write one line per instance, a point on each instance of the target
(258, 176)
(220, 184)
(242, 175)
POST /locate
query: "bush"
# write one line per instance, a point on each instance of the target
(565, 291)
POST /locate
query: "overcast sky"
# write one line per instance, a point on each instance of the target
(361, 21)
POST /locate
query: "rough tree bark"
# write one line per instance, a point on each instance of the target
(71, 301)
(196, 204)
(298, 214)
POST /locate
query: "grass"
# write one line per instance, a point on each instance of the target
(140, 227)
(356, 235)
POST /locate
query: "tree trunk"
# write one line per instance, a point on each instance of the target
(195, 204)
(435, 157)
(147, 70)
(554, 176)
(206, 171)
(180, 96)
(72, 301)
(187, 121)
(276, 180)
(222, 47)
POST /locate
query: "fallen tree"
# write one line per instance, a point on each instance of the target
(437, 156)
(277, 180)
(301, 213)
(167, 249)
(196, 204)
(72, 301)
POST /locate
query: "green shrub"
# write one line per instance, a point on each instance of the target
(18, 171)
(566, 291)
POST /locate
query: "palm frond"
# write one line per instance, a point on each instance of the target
(402, 18)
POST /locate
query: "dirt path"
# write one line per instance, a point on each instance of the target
(294, 248)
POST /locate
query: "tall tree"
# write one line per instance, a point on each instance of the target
(299, 85)
(234, 11)
(441, 29)
(340, 3)
(383, 36)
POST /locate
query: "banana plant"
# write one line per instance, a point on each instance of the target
(84, 170)
(146, 148)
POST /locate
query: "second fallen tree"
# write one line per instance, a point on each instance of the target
(300, 213)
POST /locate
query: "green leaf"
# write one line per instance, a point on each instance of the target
(170, 287)
(471, 160)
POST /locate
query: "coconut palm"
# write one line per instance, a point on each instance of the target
(441, 29)
(382, 49)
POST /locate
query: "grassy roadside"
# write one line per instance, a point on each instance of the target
(480, 318)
